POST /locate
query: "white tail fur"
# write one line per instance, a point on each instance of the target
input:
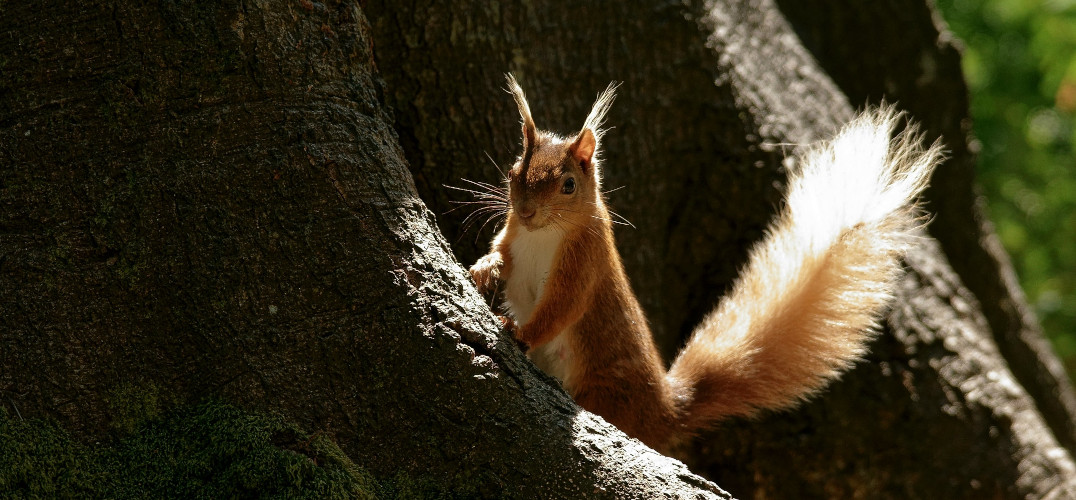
(812, 291)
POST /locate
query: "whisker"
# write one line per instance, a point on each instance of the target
(491, 217)
(623, 220)
(479, 203)
(586, 227)
(473, 216)
(485, 185)
(479, 212)
(462, 204)
(486, 190)
(500, 195)
(560, 228)
(621, 217)
(488, 201)
(624, 223)
(589, 228)
(495, 165)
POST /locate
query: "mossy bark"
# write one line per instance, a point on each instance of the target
(238, 202)
(211, 450)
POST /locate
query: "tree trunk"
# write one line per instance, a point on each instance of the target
(212, 203)
(216, 202)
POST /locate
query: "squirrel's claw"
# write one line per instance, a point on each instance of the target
(508, 325)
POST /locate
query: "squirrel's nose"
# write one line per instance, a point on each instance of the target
(525, 212)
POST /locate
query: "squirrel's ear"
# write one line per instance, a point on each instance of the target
(582, 149)
(530, 132)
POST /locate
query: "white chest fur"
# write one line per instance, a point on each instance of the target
(532, 259)
(533, 253)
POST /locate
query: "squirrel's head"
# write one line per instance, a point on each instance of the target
(556, 181)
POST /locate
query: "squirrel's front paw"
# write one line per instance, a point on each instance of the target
(487, 272)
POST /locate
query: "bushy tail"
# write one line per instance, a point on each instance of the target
(812, 291)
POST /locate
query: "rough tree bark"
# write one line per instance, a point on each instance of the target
(211, 202)
(215, 202)
(697, 138)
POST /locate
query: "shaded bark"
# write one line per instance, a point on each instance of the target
(212, 204)
(699, 160)
(216, 202)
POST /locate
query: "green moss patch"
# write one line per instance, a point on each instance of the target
(211, 450)
(131, 405)
(39, 460)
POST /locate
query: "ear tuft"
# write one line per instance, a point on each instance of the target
(530, 132)
(597, 112)
(586, 143)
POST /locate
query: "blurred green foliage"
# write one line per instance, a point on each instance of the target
(1020, 63)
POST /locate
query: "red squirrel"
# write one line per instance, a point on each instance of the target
(801, 311)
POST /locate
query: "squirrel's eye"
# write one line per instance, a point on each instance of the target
(569, 186)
